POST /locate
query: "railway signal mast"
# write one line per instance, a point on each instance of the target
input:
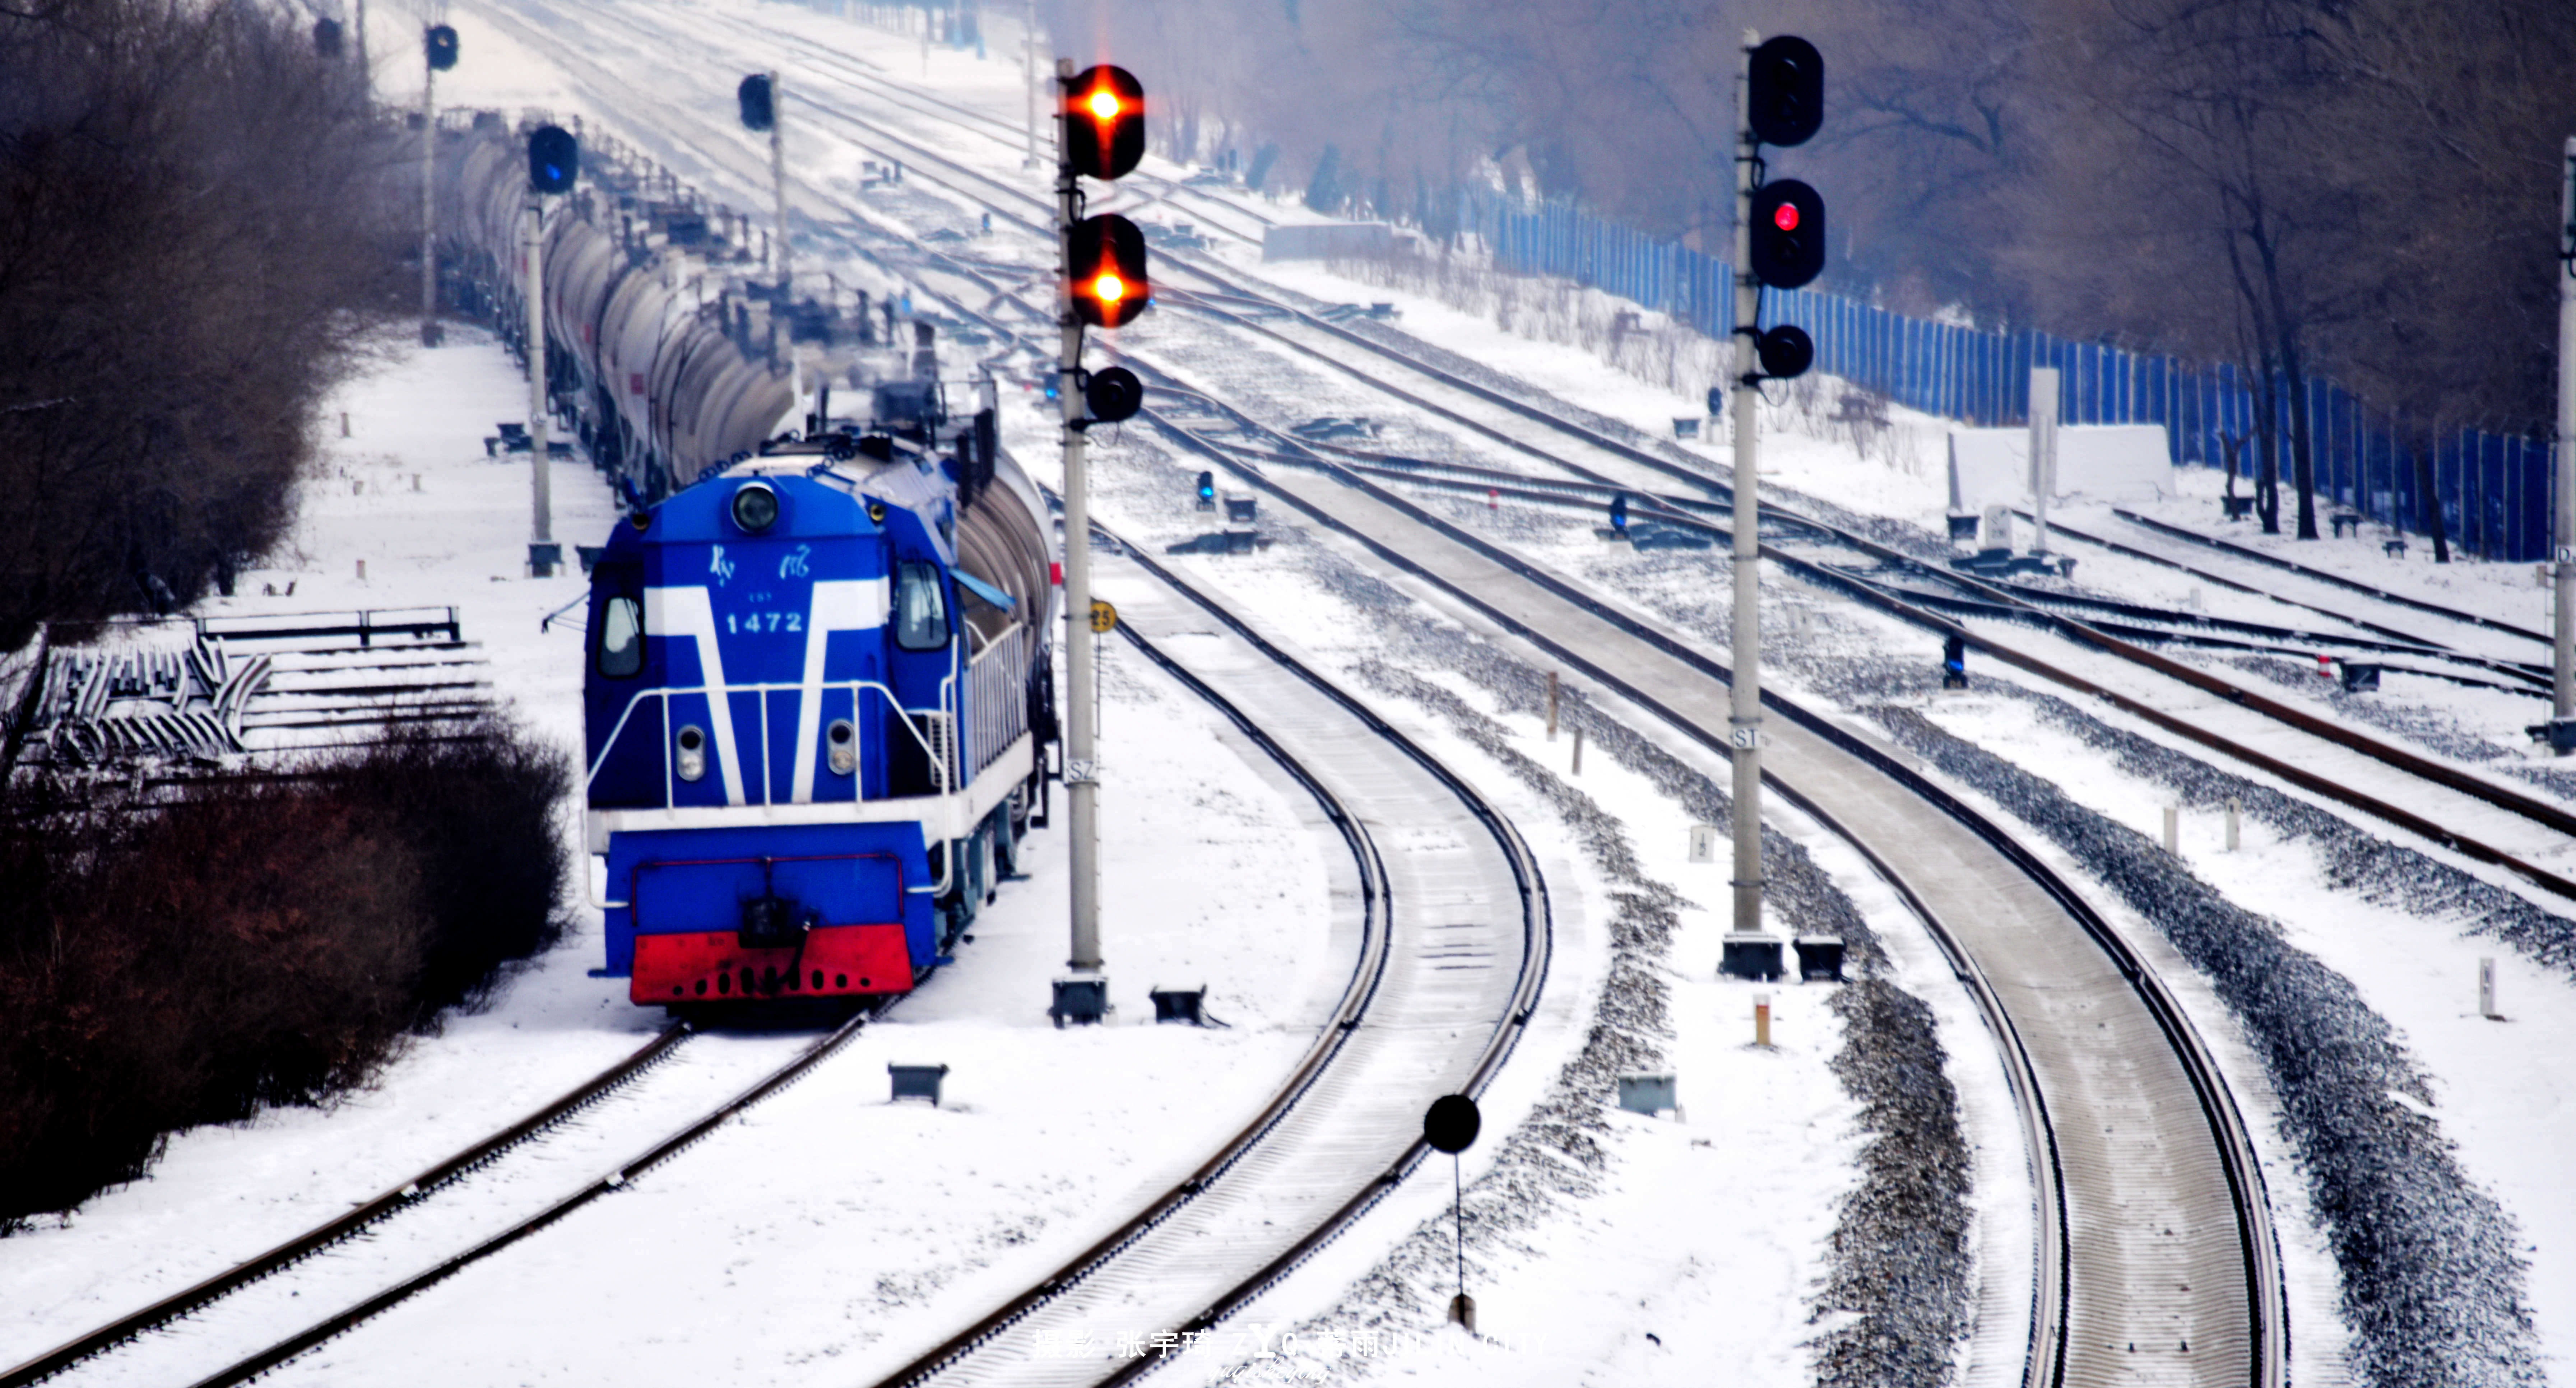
(1100, 133)
(759, 97)
(554, 161)
(440, 42)
(1780, 243)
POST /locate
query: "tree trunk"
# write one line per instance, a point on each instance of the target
(2303, 463)
(2267, 460)
(2428, 502)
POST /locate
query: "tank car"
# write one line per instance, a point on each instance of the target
(818, 690)
(818, 702)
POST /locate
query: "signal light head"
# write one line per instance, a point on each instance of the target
(1785, 102)
(442, 47)
(1103, 122)
(554, 159)
(1112, 395)
(1785, 352)
(1788, 234)
(1105, 256)
(758, 102)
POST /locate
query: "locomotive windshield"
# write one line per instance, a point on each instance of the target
(621, 637)
(920, 608)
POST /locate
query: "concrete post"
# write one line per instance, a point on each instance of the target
(2043, 451)
(1081, 767)
(1029, 73)
(778, 176)
(540, 479)
(428, 205)
(1744, 732)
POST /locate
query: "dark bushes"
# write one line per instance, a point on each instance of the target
(262, 941)
(198, 217)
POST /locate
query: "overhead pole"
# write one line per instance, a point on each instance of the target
(1029, 74)
(1081, 775)
(778, 176)
(1744, 725)
(2562, 690)
(429, 334)
(541, 482)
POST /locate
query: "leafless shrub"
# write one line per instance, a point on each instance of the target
(263, 941)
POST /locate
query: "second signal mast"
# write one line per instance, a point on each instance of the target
(1100, 124)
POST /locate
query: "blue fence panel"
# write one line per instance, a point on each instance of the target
(2493, 489)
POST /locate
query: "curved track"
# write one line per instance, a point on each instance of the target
(2163, 1242)
(1455, 959)
(1542, 433)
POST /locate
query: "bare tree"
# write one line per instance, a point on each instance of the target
(191, 238)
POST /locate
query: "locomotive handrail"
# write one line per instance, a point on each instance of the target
(662, 696)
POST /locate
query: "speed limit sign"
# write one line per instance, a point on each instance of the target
(1104, 618)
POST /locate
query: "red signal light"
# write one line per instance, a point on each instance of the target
(1786, 217)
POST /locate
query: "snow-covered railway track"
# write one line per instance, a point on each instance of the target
(431, 1183)
(2465, 809)
(2155, 1234)
(2155, 1237)
(1455, 950)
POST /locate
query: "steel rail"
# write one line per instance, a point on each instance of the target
(2425, 768)
(252, 1366)
(2241, 1172)
(2232, 1142)
(2527, 669)
(2234, 550)
(1679, 513)
(1888, 600)
(1537, 950)
(357, 1221)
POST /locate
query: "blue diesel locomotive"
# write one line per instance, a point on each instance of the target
(818, 704)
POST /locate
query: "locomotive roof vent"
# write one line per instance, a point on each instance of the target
(755, 507)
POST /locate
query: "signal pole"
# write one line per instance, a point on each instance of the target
(2562, 689)
(1081, 772)
(778, 175)
(429, 207)
(1029, 74)
(541, 481)
(1744, 726)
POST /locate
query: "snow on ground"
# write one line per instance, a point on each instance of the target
(812, 1214)
(1045, 1137)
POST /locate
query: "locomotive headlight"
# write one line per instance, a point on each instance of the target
(691, 763)
(755, 507)
(844, 742)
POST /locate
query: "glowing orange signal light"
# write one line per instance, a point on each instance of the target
(1107, 284)
(1104, 121)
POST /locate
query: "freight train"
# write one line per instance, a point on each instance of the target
(818, 680)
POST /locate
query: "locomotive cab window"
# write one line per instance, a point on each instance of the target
(621, 637)
(920, 608)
